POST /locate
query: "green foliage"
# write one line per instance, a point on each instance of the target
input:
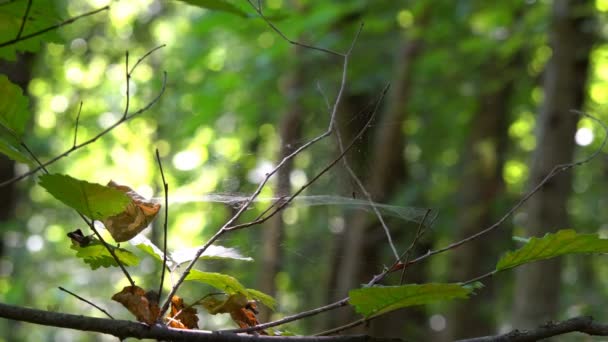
(14, 115)
(218, 5)
(222, 282)
(90, 199)
(378, 300)
(96, 255)
(230, 286)
(181, 256)
(551, 245)
(41, 15)
(262, 298)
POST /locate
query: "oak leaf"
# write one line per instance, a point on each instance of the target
(182, 316)
(142, 304)
(137, 215)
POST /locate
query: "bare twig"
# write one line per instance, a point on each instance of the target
(583, 324)
(229, 224)
(87, 301)
(76, 125)
(24, 19)
(344, 327)
(554, 172)
(54, 27)
(166, 189)
(92, 140)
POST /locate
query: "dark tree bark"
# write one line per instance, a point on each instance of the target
(538, 285)
(482, 183)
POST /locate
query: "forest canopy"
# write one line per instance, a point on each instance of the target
(419, 170)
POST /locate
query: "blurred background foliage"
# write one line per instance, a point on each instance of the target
(231, 82)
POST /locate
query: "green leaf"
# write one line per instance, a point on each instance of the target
(14, 107)
(563, 242)
(262, 298)
(218, 5)
(90, 199)
(222, 282)
(96, 255)
(187, 254)
(12, 150)
(377, 300)
(41, 15)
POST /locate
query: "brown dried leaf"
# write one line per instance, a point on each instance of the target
(182, 317)
(137, 216)
(141, 304)
(241, 310)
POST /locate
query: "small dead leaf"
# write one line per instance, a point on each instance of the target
(141, 304)
(78, 238)
(137, 216)
(182, 317)
(241, 310)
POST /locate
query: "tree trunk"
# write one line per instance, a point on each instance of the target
(538, 285)
(290, 133)
(483, 161)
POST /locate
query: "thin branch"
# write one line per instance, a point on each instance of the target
(166, 189)
(344, 327)
(54, 27)
(24, 19)
(419, 233)
(87, 301)
(289, 199)
(259, 11)
(123, 329)
(89, 223)
(267, 177)
(76, 126)
(127, 81)
(581, 324)
(554, 172)
(92, 140)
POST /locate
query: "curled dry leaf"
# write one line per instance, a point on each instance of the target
(144, 305)
(78, 238)
(242, 311)
(182, 316)
(137, 216)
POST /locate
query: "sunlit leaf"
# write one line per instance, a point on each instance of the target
(377, 300)
(218, 5)
(551, 245)
(222, 282)
(14, 115)
(96, 255)
(90, 199)
(12, 150)
(41, 15)
(187, 254)
(262, 298)
(136, 216)
(142, 304)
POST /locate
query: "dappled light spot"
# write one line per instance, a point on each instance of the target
(336, 225)
(54, 233)
(601, 5)
(437, 322)
(599, 92)
(262, 168)
(405, 18)
(187, 160)
(46, 120)
(290, 215)
(34, 243)
(515, 172)
(74, 74)
(297, 178)
(216, 58)
(78, 46)
(59, 103)
(584, 136)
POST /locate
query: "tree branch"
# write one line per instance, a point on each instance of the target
(584, 325)
(123, 329)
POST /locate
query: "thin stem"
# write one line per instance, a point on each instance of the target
(166, 189)
(24, 19)
(54, 27)
(92, 140)
(127, 81)
(76, 126)
(343, 327)
(86, 301)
